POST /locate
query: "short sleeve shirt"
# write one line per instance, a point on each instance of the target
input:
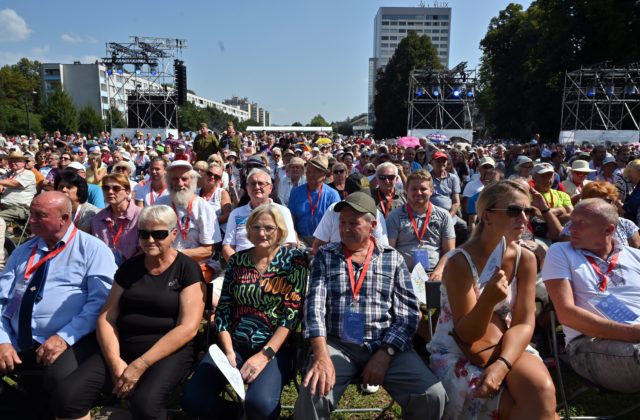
(443, 190)
(400, 228)
(203, 224)
(236, 232)
(556, 199)
(147, 197)
(20, 196)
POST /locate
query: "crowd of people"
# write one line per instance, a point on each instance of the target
(298, 232)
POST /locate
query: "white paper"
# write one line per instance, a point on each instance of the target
(232, 374)
(494, 261)
(418, 277)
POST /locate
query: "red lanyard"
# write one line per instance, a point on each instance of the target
(550, 204)
(355, 288)
(78, 211)
(424, 225)
(151, 199)
(314, 206)
(116, 236)
(15, 174)
(603, 277)
(184, 230)
(386, 208)
(31, 268)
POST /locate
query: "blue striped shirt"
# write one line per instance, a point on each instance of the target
(386, 298)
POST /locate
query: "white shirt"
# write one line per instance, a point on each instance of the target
(236, 232)
(563, 261)
(328, 228)
(20, 196)
(285, 186)
(474, 186)
(203, 224)
(143, 193)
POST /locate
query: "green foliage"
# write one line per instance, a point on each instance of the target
(296, 124)
(190, 117)
(115, 119)
(242, 126)
(318, 121)
(89, 121)
(59, 113)
(526, 55)
(392, 84)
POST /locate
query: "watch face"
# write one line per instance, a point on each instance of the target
(391, 351)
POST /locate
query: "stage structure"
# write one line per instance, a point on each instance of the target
(442, 101)
(145, 74)
(601, 103)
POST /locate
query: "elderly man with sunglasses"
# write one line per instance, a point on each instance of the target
(259, 188)
(386, 196)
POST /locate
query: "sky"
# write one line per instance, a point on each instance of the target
(295, 58)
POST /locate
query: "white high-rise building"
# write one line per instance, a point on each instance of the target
(392, 24)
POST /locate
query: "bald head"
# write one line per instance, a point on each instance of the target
(53, 200)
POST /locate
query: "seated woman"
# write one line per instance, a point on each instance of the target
(145, 330)
(626, 232)
(117, 224)
(260, 305)
(514, 383)
(75, 187)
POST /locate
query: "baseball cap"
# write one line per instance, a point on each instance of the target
(487, 160)
(254, 161)
(179, 164)
(439, 155)
(76, 165)
(521, 160)
(360, 202)
(608, 159)
(542, 168)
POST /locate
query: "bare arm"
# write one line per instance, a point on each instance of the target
(447, 245)
(455, 204)
(317, 243)
(592, 325)
(225, 207)
(199, 253)
(227, 252)
(10, 183)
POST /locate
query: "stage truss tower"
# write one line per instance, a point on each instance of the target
(141, 79)
(442, 99)
(602, 97)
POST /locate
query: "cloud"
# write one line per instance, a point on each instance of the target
(78, 39)
(12, 26)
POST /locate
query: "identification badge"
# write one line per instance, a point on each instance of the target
(14, 303)
(614, 309)
(353, 327)
(421, 255)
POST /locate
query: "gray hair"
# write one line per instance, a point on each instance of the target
(192, 173)
(258, 171)
(158, 214)
(599, 208)
(387, 165)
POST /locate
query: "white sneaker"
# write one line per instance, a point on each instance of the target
(369, 389)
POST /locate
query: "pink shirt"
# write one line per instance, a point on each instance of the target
(106, 229)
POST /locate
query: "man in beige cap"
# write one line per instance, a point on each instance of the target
(309, 201)
(293, 178)
(17, 189)
(577, 179)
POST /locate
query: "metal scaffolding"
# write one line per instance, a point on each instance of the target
(442, 99)
(601, 97)
(141, 79)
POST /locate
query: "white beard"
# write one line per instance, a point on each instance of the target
(182, 198)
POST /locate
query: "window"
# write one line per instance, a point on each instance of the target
(393, 38)
(402, 31)
(105, 100)
(385, 23)
(394, 23)
(103, 87)
(384, 45)
(103, 74)
(436, 23)
(402, 23)
(385, 38)
(435, 38)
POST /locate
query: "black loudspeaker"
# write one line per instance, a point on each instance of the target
(180, 74)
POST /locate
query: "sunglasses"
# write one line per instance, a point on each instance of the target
(386, 177)
(338, 171)
(514, 211)
(65, 158)
(214, 176)
(116, 188)
(158, 235)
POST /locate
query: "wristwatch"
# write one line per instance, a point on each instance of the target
(389, 349)
(268, 351)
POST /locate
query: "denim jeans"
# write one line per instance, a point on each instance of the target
(611, 364)
(202, 398)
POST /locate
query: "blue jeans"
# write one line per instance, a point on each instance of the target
(614, 365)
(202, 398)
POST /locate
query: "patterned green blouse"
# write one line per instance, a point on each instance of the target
(253, 306)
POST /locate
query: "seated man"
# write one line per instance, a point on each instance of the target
(51, 293)
(17, 189)
(594, 284)
(361, 321)
(559, 202)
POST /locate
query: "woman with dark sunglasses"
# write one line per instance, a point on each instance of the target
(215, 195)
(116, 224)
(492, 322)
(146, 327)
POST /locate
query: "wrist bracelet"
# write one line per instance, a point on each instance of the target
(144, 361)
(505, 361)
(547, 210)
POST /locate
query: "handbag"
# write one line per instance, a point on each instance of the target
(487, 349)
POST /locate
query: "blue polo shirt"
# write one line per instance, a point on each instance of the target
(300, 207)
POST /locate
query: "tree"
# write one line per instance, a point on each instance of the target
(392, 83)
(242, 126)
(318, 121)
(59, 113)
(115, 119)
(190, 117)
(89, 121)
(296, 124)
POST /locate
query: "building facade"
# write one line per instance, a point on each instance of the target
(392, 24)
(255, 112)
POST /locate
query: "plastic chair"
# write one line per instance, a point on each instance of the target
(586, 384)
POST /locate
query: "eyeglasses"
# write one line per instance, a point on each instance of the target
(514, 211)
(214, 176)
(158, 235)
(370, 172)
(116, 188)
(259, 184)
(387, 177)
(65, 158)
(267, 229)
(338, 171)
